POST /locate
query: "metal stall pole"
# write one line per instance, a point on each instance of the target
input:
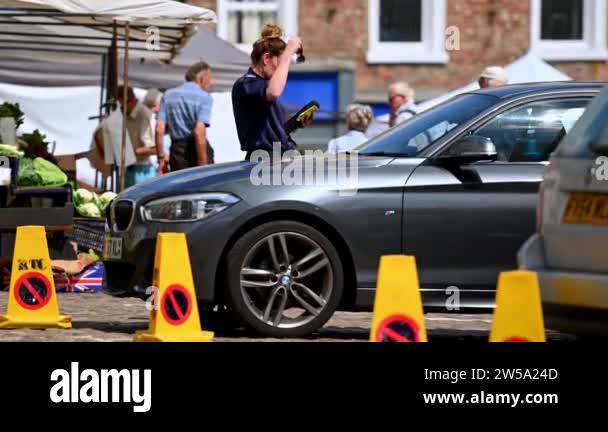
(110, 76)
(112, 92)
(114, 69)
(125, 84)
(102, 85)
(99, 180)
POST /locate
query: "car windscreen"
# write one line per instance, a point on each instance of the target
(591, 128)
(418, 134)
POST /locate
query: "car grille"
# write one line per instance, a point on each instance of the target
(122, 215)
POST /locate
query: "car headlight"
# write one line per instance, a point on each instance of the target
(187, 208)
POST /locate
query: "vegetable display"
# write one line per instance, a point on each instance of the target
(83, 196)
(10, 151)
(89, 210)
(35, 145)
(89, 204)
(40, 172)
(12, 110)
(105, 200)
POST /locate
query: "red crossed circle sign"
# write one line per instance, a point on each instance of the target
(176, 305)
(398, 328)
(33, 291)
(517, 339)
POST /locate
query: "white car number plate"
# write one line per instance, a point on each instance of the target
(112, 248)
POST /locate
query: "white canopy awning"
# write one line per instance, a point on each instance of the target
(76, 29)
(227, 61)
(71, 30)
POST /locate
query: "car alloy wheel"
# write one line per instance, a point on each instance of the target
(289, 280)
(287, 290)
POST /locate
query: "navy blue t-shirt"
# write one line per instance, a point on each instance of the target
(259, 123)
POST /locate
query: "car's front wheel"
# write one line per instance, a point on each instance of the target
(285, 279)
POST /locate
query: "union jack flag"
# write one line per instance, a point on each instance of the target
(90, 280)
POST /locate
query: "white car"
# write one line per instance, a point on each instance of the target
(570, 250)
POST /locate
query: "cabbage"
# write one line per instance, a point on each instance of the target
(96, 200)
(83, 196)
(89, 210)
(89, 204)
(107, 198)
(104, 201)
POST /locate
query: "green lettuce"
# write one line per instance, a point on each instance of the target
(40, 172)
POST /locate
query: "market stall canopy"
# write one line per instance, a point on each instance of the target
(227, 61)
(529, 68)
(67, 30)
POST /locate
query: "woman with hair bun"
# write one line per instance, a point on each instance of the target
(259, 115)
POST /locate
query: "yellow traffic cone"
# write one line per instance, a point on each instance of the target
(174, 317)
(398, 312)
(32, 300)
(518, 316)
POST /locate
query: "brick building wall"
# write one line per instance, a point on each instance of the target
(489, 34)
(492, 32)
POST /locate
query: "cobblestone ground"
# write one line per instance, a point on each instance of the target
(101, 318)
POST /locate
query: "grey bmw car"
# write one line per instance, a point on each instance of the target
(455, 186)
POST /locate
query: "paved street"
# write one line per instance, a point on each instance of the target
(98, 317)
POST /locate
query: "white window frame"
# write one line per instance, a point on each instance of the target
(288, 16)
(431, 50)
(593, 46)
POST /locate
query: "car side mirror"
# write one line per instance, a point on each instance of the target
(470, 149)
(598, 139)
(600, 148)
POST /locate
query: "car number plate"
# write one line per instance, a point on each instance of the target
(587, 209)
(112, 248)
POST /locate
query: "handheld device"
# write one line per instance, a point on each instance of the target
(303, 116)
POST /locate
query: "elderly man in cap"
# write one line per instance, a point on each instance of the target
(402, 107)
(493, 76)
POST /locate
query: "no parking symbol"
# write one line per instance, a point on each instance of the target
(176, 305)
(398, 328)
(33, 291)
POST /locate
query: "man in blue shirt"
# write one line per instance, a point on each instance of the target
(185, 113)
